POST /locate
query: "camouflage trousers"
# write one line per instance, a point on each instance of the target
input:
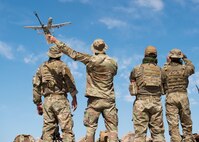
(147, 113)
(56, 110)
(177, 107)
(95, 107)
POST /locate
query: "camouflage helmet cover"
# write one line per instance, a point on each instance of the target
(54, 52)
(175, 53)
(99, 46)
(150, 49)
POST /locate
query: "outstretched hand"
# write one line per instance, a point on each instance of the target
(51, 39)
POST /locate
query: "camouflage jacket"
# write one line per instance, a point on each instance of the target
(138, 76)
(101, 70)
(175, 75)
(53, 77)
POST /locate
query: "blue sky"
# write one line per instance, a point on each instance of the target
(126, 26)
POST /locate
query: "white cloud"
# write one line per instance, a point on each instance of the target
(142, 9)
(113, 23)
(6, 51)
(20, 48)
(32, 58)
(156, 5)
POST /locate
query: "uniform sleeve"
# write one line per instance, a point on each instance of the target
(189, 67)
(132, 75)
(77, 56)
(69, 79)
(37, 88)
(114, 65)
(163, 78)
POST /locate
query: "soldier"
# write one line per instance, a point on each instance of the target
(101, 70)
(176, 75)
(146, 85)
(53, 80)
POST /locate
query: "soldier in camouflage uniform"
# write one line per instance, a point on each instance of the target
(147, 87)
(101, 70)
(53, 80)
(176, 75)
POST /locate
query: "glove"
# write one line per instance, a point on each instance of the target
(40, 109)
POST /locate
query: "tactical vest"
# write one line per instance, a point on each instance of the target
(52, 77)
(176, 78)
(148, 75)
(24, 138)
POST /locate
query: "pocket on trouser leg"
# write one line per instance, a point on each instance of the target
(111, 119)
(90, 117)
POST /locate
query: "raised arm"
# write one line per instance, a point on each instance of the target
(77, 56)
(189, 66)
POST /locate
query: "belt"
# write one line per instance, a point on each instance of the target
(141, 97)
(54, 94)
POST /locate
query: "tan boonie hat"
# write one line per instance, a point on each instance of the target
(54, 52)
(150, 49)
(175, 53)
(99, 46)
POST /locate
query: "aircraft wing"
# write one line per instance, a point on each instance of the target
(197, 88)
(34, 27)
(60, 25)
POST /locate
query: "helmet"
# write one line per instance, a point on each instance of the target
(175, 53)
(99, 46)
(54, 52)
(150, 49)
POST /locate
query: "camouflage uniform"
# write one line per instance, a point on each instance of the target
(99, 89)
(147, 108)
(177, 104)
(53, 80)
(24, 138)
